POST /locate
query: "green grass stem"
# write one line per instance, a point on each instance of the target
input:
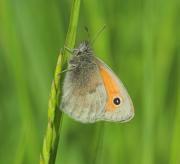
(51, 138)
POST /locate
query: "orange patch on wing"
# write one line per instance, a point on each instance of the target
(111, 86)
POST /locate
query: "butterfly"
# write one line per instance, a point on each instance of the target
(92, 92)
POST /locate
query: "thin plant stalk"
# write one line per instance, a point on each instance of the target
(51, 139)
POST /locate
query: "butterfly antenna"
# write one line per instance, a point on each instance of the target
(98, 34)
(87, 30)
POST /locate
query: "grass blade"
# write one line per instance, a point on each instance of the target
(51, 139)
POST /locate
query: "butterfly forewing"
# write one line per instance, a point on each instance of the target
(124, 110)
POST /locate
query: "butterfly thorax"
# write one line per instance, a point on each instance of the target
(83, 67)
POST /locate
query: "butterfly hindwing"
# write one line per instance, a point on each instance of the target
(84, 104)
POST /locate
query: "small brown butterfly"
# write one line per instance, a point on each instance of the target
(92, 92)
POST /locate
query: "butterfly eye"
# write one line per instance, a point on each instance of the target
(117, 101)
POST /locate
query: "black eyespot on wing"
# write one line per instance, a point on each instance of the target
(117, 101)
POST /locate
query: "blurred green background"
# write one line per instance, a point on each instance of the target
(140, 43)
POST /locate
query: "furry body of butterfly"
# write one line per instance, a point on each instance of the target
(86, 95)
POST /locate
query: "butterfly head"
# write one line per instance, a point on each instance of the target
(82, 54)
(83, 49)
